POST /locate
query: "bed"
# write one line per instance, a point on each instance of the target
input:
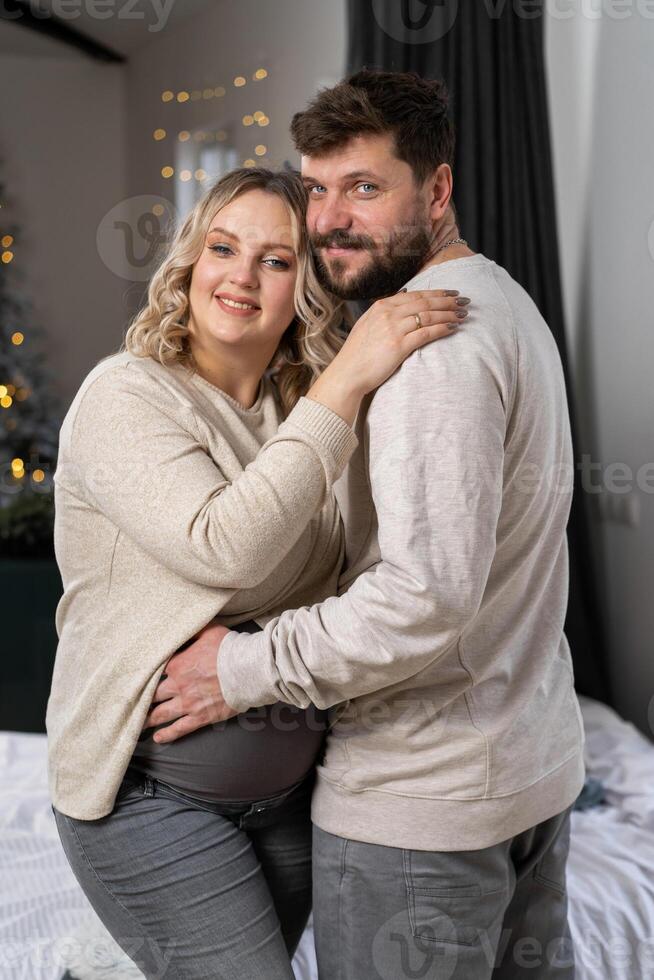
(48, 930)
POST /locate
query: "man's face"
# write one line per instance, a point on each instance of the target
(368, 220)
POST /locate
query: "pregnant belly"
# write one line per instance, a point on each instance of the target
(255, 755)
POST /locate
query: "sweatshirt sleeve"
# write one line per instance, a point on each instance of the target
(139, 459)
(436, 452)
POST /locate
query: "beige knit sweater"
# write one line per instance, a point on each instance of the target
(462, 728)
(173, 504)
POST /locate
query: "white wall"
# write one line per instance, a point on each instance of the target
(601, 78)
(302, 45)
(62, 152)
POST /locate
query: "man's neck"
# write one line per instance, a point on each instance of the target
(447, 232)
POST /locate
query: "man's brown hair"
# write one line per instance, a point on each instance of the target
(375, 102)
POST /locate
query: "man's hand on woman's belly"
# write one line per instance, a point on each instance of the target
(190, 695)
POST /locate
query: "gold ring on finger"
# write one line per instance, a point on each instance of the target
(418, 321)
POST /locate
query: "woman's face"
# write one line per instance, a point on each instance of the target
(242, 286)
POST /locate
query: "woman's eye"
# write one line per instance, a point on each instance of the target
(277, 263)
(220, 249)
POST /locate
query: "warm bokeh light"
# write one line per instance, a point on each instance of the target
(183, 96)
(248, 120)
(159, 134)
(259, 74)
(3, 391)
(167, 96)
(264, 121)
(17, 338)
(220, 91)
(7, 257)
(38, 476)
(6, 401)
(260, 150)
(200, 174)
(249, 163)
(167, 172)
(184, 136)
(185, 175)
(239, 81)
(7, 241)
(158, 210)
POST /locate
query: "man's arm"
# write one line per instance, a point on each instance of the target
(437, 431)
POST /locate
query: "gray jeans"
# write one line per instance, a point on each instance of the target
(191, 889)
(500, 913)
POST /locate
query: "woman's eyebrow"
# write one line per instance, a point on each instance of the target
(265, 246)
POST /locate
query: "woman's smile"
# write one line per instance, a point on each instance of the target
(236, 305)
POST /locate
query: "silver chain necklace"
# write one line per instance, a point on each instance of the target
(452, 241)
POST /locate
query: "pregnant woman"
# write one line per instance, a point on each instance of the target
(194, 481)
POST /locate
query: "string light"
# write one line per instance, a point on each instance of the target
(264, 121)
(239, 81)
(6, 401)
(167, 172)
(183, 96)
(17, 338)
(158, 210)
(38, 476)
(185, 175)
(159, 134)
(249, 163)
(184, 136)
(200, 174)
(167, 96)
(7, 257)
(7, 241)
(259, 74)
(3, 391)
(248, 120)
(220, 91)
(208, 93)
(259, 115)
(260, 150)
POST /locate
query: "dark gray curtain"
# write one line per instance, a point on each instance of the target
(491, 55)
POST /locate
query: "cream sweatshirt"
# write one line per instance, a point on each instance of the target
(460, 725)
(173, 504)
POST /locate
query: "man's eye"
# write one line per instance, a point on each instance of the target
(367, 187)
(317, 189)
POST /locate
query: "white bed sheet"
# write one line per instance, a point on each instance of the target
(46, 924)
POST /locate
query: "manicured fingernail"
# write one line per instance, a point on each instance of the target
(451, 292)
(453, 326)
(462, 314)
(462, 301)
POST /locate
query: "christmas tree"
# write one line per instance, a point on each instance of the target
(29, 417)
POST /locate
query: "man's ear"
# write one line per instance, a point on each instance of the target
(439, 187)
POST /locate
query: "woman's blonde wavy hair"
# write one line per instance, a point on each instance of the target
(315, 335)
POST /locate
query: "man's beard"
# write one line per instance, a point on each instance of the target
(392, 263)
